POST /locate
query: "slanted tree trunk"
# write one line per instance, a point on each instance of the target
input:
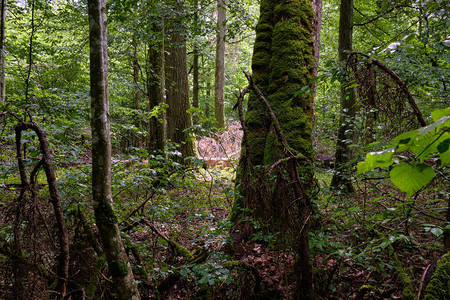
(177, 91)
(105, 218)
(342, 176)
(219, 87)
(269, 189)
(156, 93)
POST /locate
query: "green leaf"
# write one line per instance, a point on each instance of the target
(411, 178)
(404, 140)
(436, 231)
(439, 113)
(380, 159)
(443, 149)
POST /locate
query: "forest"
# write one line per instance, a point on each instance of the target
(226, 149)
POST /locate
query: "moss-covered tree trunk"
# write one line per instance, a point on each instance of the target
(342, 176)
(282, 63)
(219, 87)
(105, 218)
(177, 89)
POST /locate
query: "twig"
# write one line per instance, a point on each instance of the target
(422, 280)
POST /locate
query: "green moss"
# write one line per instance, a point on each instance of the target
(118, 268)
(104, 215)
(439, 286)
(408, 291)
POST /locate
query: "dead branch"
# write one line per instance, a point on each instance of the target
(63, 268)
(401, 84)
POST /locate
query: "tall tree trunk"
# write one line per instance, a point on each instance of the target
(105, 217)
(157, 93)
(177, 91)
(282, 63)
(219, 88)
(133, 138)
(2, 54)
(316, 25)
(342, 176)
(195, 66)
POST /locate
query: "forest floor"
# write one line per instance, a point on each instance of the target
(369, 245)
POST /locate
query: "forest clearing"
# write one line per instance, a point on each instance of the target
(224, 149)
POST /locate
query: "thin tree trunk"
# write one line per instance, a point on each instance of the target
(195, 66)
(135, 140)
(342, 176)
(316, 25)
(219, 88)
(2, 54)
(177, 92)
(105, 218)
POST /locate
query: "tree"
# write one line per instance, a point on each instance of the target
(105, 217)
(177, 89)
(195, 65)
(282, 64)
(219, 87)
(2, 52)
(156, 92)
(341, 177)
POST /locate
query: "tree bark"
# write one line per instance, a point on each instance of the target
(316, 25)
(219, 87)
(156, 93)
(195, 66)
(342, 176)
(105, 217)
(278, 146)
(177, 91)
(2, 54)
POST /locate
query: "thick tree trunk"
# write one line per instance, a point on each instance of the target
(219, 87)
(268, 180)
(105, 217)
(177, 92)
(156, 94)
(342, 176)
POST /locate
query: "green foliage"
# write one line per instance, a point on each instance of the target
(210, 272)
(429, 142)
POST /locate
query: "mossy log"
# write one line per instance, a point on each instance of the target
(408, 290)
(439, 286)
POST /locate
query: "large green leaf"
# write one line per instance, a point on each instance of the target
(404, 140)
(411, 177)
(444, 151)
(380, 159)
(439, 113)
